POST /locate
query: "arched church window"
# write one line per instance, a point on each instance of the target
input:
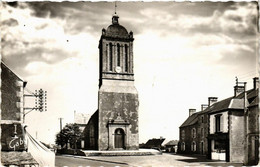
(193, 133)
(193, 146)
(126, 58)
(182, 134)
(110, 57)
(182, 146)
(118, 55)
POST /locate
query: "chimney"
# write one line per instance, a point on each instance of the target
(203, 107)
(212, 100)
(256, 82)
(238, 89)
(191, 111)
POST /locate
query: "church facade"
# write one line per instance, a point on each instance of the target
(114, 126)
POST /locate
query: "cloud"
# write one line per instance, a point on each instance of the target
(79, 16)
(234, 19)
(10, 22)
(14, 4)
(34, 38)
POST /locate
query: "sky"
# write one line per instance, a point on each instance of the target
(183, 53)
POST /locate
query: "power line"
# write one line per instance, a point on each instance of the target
(248, 71)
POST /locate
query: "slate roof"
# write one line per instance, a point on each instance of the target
(190, 120)
(250, 94)
(154, 142)
(255, 102)
(253, 93)
(116, 30)
(172, 143)
(228, 103)
(220, 105)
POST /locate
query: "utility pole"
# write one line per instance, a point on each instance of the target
(60, 123)
(245, 127)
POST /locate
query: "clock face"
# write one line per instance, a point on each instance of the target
(118, 69)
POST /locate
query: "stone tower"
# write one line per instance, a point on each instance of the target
(117, 96)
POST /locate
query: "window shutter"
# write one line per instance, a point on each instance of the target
(214, 124)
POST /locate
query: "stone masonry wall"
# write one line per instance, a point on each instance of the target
(110, 105)
(9, 90)
(253, 135)
(236, 137)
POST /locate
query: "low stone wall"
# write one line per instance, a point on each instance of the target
(15, 158)
(122, 153)
(71, 152)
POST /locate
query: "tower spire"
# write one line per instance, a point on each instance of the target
(115, 16)
(115, 7)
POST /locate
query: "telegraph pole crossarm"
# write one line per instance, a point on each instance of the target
(40, 101)
(30, 110)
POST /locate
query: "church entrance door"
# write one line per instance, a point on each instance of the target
(119, 138)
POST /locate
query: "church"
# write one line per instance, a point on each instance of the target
(114, 126)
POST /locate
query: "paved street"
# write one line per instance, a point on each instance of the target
(135, 161)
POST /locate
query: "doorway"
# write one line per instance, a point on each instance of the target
(119, 138)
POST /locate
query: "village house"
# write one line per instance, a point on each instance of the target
(154, 143)
(12, 131)
(81, 119)
(171, 146)
(224, 128)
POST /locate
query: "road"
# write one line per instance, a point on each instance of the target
(166, 160)
(62, 161)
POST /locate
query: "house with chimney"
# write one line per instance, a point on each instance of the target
(225, 130)
(193, 132)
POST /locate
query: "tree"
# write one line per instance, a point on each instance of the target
(69, 134)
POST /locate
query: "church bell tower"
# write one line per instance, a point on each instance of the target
(116, 53)
(117, 97)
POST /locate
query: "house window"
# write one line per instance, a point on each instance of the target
(193, 133)
(110, 57)
(182, 134)
(202, 119)
(193, 146)
(217, 123)
(182, 146)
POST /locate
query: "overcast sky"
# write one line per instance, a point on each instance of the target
(183, 53)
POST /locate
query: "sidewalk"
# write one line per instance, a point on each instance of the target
(207, 162)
